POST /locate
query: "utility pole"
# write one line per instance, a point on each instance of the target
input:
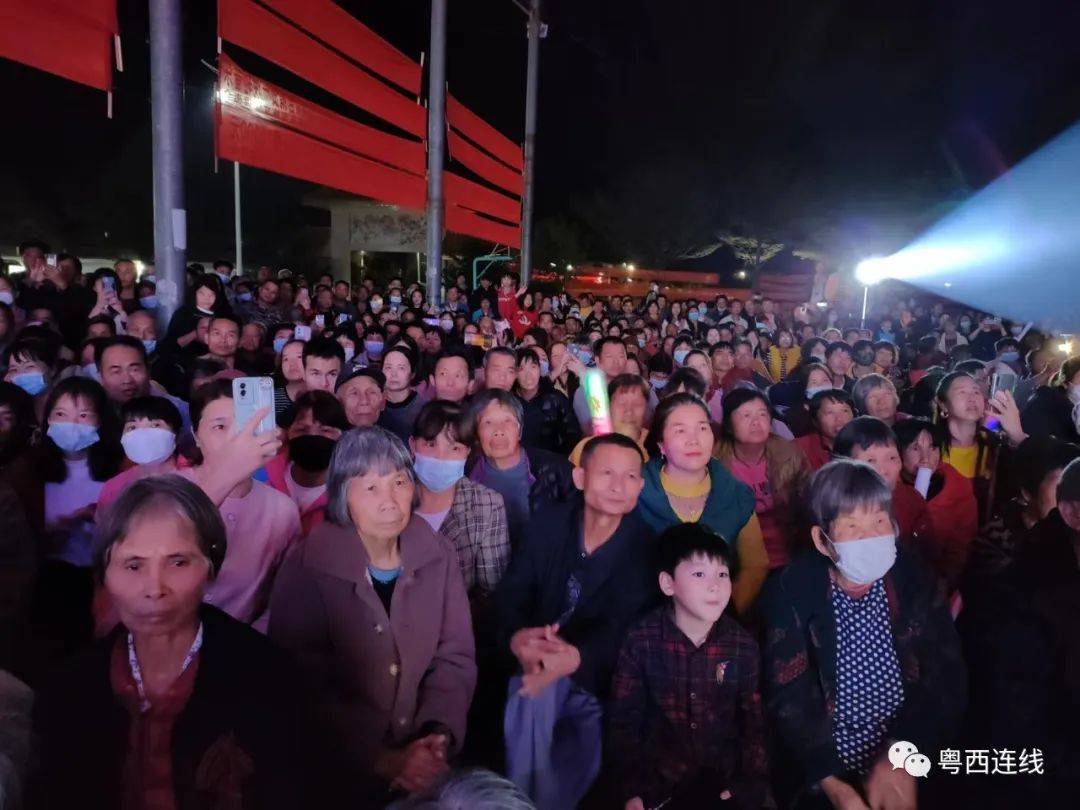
(532, 81)
(436, 148)
(166, 102)
(236, 217)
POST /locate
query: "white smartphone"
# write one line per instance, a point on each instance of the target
(302, 332)
(320, 321)
(51, 259)
(251, 394)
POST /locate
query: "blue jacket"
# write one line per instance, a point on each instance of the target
(727, 509)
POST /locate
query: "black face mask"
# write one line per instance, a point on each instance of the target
(864, 358)
(311, 453)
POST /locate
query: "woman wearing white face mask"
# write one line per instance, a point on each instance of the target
(471, 516)
(1055, 408)
(861, 651)
(80, 452)
(150, 427)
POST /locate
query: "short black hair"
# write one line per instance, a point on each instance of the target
(459, 351)
(527, 355)
(226, 316)
(223, 263)
(863, 432)
(838, 395)
(33, 243)
(70, 257)
(613, 439)
(1037, 457)
(661, 363)
(1005, 343)
(204, 395)
(35, 349)
(324, 348)
(103, 320)
(628, 382)
(837, 346)
(126, 341)
(437, 416)
(689, 379)
(605, 341)
(500, 351)
(326, 409)
(151, 407)
(684, 541)
(907, 431)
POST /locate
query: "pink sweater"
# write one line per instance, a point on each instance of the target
(259, 529)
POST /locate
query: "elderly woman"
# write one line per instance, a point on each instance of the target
(875, 395)
(774, 468)
(860, 652)
(181, 705)
(524, 476)
(374, 605)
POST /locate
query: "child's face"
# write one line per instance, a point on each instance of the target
(700, 588)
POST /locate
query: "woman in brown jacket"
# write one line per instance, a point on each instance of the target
(775, 469)
(374, 606)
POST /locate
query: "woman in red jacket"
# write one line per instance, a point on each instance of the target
(950, 497)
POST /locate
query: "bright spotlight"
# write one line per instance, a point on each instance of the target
(631, 268)
(872, 271)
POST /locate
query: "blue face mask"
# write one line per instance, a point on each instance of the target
(680, 355)
(279, 344)
(658, 383)
(1010, 357)
(374, 348)
(545, 368)
(148, 302)
(812, 392)
(149, 345)
(585, 356)
(32, 382)
(437, 474)
(693, 315)
(73, 437)
(244, 297)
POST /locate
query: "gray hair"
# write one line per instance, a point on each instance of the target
(871, 382)
(480, 403)
(167, 493)
(358, 452)
(469, 790)
(843, 486)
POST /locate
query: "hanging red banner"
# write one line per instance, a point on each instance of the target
(101, 13)
(239, 88)
(340, 30)
(465, 222)
(246, 138)
(481, 199)
(483, 134)
(49, 38)
(490, 169)
(249, 25)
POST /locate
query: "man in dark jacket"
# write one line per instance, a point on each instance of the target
(580, 578)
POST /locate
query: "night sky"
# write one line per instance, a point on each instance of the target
(850, 100)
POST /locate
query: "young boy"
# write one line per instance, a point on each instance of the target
(685, 715)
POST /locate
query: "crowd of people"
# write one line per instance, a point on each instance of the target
(441, 581)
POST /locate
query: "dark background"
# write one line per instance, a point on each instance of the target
(836, 125)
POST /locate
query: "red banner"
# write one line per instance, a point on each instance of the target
(483, 134)
(481, 199)
(459, 220)
(340, 30)
(50, 38)
(239, 88)
(101, 13)
(246, 138)
(490, 169)
(244, 23)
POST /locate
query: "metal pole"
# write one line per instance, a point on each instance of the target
(532, 81)
(236, 217)
(166, 106)
(865, 297)
(436, 147)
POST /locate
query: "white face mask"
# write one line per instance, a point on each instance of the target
(865, 561)
(148, 445)
(812, 392)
